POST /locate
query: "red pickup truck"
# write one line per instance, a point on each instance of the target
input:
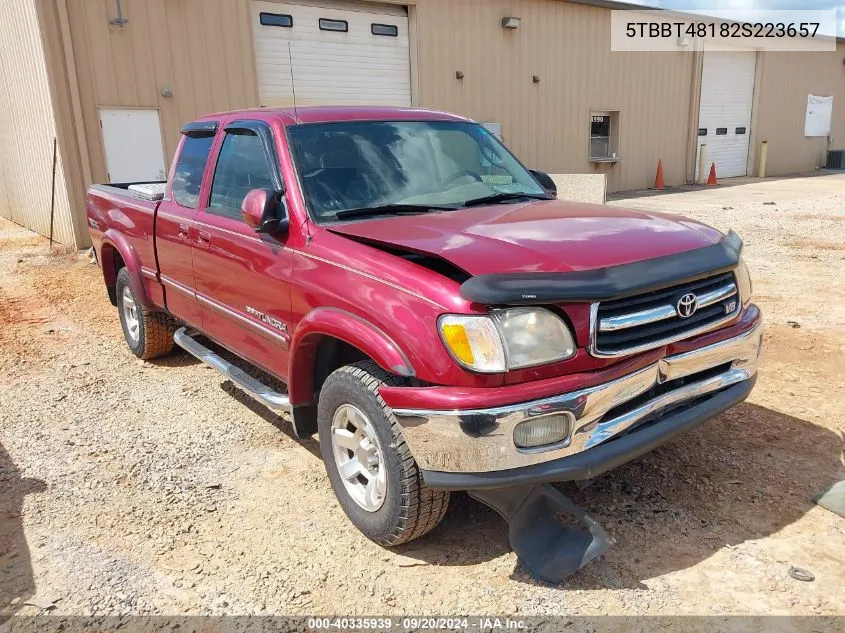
(398, 282)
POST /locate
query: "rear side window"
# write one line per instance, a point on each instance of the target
(241, 167)
(189, 170)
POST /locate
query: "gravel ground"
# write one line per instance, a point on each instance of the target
(153, 488)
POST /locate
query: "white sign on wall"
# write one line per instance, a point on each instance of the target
(494, 128)
(819, 115)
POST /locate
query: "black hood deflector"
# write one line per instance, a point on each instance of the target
(604, 284)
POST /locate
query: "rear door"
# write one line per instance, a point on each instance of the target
(136, 129)
(175, 229)
(243, 277)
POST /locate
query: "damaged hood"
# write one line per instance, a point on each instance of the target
(539, 236)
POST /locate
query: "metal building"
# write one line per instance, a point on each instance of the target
(113, 81)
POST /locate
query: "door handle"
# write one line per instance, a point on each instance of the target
(183, 231)
(204, 237)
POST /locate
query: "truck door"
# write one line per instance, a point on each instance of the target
(243, 277)
(175, 229)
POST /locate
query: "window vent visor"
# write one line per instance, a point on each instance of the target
(200, 129)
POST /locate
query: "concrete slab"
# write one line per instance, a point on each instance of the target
(737, 192)
(581, 187)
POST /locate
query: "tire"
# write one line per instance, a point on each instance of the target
(148, 334)
(408, 509)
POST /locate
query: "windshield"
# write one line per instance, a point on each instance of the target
(361, 165)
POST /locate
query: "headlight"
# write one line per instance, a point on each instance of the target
(743, 282)
(508, 339)
(533, 337)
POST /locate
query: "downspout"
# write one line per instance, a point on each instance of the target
(73, 88)
(695, 106)
(753, 142)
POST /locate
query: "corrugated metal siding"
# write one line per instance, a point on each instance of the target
(27, 128)
(186, 44)
(786, 80)
(568, 47)
(200, 49)
(203, 51)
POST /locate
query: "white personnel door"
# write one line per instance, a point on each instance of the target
(340, 61)
(132, 144)
(727, 94)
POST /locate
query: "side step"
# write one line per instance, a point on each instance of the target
(257, 389)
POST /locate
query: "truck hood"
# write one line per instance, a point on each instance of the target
(538, 236)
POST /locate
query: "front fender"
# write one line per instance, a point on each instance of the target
(348, 328)
(115, 240)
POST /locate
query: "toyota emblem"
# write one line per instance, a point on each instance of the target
(687, 305)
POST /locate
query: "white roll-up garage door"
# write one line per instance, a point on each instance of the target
(342, 53)
(727, 94)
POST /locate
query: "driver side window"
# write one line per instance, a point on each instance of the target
(241, 167)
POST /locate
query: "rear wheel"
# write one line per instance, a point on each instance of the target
(371, 469)
(148, 334)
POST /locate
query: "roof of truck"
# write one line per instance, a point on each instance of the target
(327, 114)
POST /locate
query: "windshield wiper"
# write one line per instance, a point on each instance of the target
(389, 209)
(504, 196)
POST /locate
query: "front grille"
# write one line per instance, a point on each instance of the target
(649, 320)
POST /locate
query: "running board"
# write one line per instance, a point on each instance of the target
(552, 537)
(257, 389)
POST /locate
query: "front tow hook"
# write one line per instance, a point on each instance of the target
(550, 534)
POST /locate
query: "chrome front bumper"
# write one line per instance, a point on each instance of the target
(478, 441)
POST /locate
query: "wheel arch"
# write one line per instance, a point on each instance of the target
(115, 253)
(328, 338)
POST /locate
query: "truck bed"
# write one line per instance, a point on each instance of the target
(132, 189)
(118, 216)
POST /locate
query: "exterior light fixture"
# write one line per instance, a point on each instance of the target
(510, 23)
(119, 20)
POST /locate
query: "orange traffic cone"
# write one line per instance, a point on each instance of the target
(712, 179)
(658, 179)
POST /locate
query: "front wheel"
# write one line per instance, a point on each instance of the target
(370, 468)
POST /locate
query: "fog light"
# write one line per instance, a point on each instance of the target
(549, 429)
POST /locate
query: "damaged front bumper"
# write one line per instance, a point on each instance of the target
(610, 423)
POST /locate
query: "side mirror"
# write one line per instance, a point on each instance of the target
(545, 181)
(264, 210)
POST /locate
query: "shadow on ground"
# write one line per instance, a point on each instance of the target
(285, 426)
(743, 476)
(16, 580)
(178, 358)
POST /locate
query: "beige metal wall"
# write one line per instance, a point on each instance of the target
(202, 50)
(568, 47)
(785, 81)
(199, 49)
(27, 128)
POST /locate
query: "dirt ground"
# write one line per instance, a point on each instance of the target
(155, 488)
